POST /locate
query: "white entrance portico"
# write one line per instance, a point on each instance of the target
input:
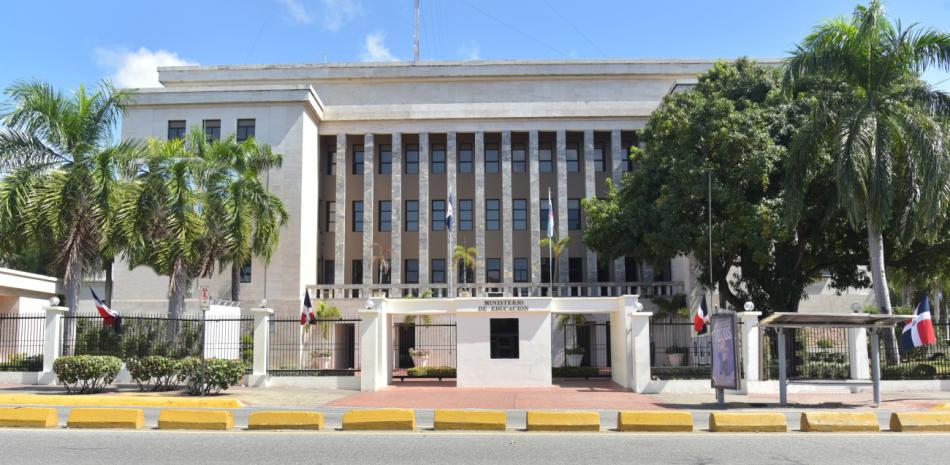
(506, 342)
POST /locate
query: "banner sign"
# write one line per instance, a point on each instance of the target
(725, 345)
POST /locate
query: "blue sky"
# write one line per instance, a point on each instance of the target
(74, 42)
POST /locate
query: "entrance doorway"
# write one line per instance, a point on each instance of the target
(424, 349)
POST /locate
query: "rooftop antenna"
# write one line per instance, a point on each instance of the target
(415, 41)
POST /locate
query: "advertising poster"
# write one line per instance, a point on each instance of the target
(724, 351)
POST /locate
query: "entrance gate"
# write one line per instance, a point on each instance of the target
(582, 350)
(424, 350)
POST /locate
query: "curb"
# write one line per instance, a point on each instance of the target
(920, 422)
(469, 420)
(116, 401)
(195, 419)
(747, 422)
(106, 418)
(381, 419)
(655, 421)
(274, 420)
(839, 422)
(563, 421)
(26, 417)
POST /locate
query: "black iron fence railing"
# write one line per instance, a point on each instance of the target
(931, 361)
(21, 342)
(676, 352)
(326, 347)
(581, 350)
(424, 349)
(813, 353)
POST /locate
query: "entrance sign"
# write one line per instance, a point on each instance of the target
(725, 374)
(205, 297)
(503, 305)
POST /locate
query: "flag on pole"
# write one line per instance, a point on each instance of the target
(920, 331)
(109, 316)
(550, 216)
(701, 320)
(449, 213)
(306, 313)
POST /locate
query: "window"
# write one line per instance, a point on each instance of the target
(575, 270)
(385, 215)
(600, 163)
(543, 220)
(245, 129)
(545, 269)
(522, 273)
(328, 272)
(246, 272)
(630, 269)
(412, 159)
(520, 214)
(465, 215)
(465, 158)
(518, 158)
(330, 152)
(358, 160)
(383, 272)
(545, 159)
(330, 216)
(357, 216)
(465, 273)
(573, 159)
(603, 270)
(212, 128)
(411, 271)
(438, 159)
(438, 215)
(176, 130)
(491, 159)
(493, 270)
(438, 270)
(503, 337)
(357, 272)
(385, 159)
(492, 214)
(573, 214)
(663, 273)
(412, 215)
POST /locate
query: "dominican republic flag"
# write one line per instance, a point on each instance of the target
(550, 216)
(109, 317)
(701, 320)
(449, 213)
(306, 313)
(920, 331)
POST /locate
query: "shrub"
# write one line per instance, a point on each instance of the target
(87, 373)
(825, 343)
(23, 362)
(574, 372)
(431, 372)
(219, 375)
(154, 373)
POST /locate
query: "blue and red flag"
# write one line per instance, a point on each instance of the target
(920, 330)
(109, 316)
(701, 320)
(306, 313)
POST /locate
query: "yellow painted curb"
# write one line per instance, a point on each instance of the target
(942, 407)
(106, 418)
(839, 422)
(655, 421)
(747, 422)
(284, 419)
(920, 421)
(563, 421)
(195, 419)
(478, 420)
(26, 417)
(117, 401)
(379, 419)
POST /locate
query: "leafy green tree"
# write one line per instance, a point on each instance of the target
(58, 157)
(888, 141)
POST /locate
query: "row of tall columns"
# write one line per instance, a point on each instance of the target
(424, 207)
(368, 208)
(535, 206)
(561, 217)
(506, 224)
(395, 268)
(616, 160)
(339, 226)
(479, 207)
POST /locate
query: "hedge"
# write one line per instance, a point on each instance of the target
(431, 372)
(575, 372)
(219, 375)
(88, 373)
(155, 373)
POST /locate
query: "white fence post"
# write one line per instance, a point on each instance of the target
(262, 318)
(858, 353)
(52, 340)
(375, 373)
(630, 354)
(749, 334)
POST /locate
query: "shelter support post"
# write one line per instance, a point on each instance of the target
(782, 376)
(876, 364)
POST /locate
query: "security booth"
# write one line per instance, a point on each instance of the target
(502, 341)
(860, 321)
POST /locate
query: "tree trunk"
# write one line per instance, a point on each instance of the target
(879, 284)
(176, 290)
(71, 282)
(235, 282)
(109, 282)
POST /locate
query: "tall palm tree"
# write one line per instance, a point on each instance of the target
(467, 256)
(246, 215)
(557, 246)
(887, 137)
(58, 155)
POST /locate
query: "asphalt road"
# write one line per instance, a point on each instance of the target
(153, 447)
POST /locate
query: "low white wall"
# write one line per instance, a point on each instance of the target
(702, 386)
(476, 368)
(350, 383)
(19, 377)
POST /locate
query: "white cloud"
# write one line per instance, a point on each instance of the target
(375, 48)
(336, 13)
(296, 11)
(138, 68)
(470, 51)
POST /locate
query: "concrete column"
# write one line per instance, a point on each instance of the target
(452, 196)
(858, 353)
(374, 342)
(507, 276)
(590, 192)
(534, 223)
(339, 228)
(749, 345)
(617, 160)
(52, 341)
(369, 171)
(262, 316)
(630, 344)
(395, 272)
(561, 206)
(480, 207)
(424, 206)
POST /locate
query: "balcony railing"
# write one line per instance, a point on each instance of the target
(606, 289)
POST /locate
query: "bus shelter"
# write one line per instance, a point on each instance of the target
(873, 323)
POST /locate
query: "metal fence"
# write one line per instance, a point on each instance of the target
(327, 347)
(676, 352)
(21, 342)
(581, 350)
(812, 353)
(424, 344)
(925, 362)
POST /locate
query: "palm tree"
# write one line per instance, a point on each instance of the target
(246, 215)
(557, 246)
(467, 256)
(58, 153)
(886, 137)
(326, 312)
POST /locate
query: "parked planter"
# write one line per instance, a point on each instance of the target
(420, 361)
(574, 360)
(676, 360)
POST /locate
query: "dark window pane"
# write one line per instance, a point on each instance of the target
(630, 269)
(492, 214)
(518, 158)
(330, 219)
(412, 159)
(465, 158)
(504, 338)
(357, 216)
(545, 159)
(575, 270)
(411, 274)
(357, 272)
(600, 162)
(522, 274)
(212, 128)
(412, 215)
(385, 159)
(328, 272)
(176, 130)
(466, 274)
(438, 215)
(438, 159)
(491, 159)
(493, 270)
(573, 214)
(331, 160)
(520, 214)
(465, 214)
(245, 129)
(438, 270)
(385, 215)
(573, 159)
(358, 160)
(603, 270)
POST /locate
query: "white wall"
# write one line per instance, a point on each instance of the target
(476, 368)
